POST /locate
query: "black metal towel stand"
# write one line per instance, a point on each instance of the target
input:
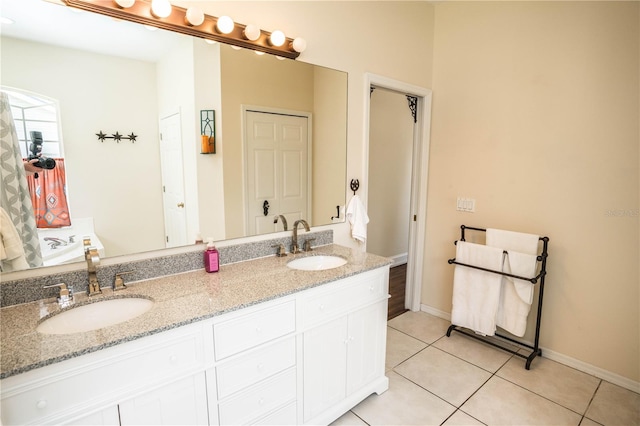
(535, 349)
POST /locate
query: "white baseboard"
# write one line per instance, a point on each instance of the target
(598, 372)
(399, 259)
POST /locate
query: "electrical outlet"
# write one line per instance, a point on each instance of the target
(464, 204)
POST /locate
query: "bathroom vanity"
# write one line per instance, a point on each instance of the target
(256, 343)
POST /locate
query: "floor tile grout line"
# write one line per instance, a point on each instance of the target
(425, 389)
(541, 396)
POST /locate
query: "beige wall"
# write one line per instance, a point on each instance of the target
(103, 103)
(535, 115)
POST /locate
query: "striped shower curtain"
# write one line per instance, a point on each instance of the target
(14, 191)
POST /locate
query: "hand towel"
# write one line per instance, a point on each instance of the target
(516, 295)
(510, 240)
(476, 293)
(12, 254)
(357, 216)
(526, 247)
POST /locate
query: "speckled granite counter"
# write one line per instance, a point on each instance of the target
(179, 299)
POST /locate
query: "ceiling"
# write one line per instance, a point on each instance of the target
(60, 25)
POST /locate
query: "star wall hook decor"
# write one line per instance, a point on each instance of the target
(116, 136)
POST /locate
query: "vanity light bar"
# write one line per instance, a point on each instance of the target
(140, 12)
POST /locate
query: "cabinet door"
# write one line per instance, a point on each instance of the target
(366, 347)
(108, 416)
(183, 402)
(325, 355)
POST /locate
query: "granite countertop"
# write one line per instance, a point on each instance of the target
(179, 299)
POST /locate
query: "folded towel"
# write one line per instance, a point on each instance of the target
(509, 240)
(476, 293)
(12, 253)
(357, 216)
(516, 295)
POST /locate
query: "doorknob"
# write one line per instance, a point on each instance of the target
(181, 205)
(265, 207)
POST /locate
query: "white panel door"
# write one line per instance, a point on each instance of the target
(180, 403)
(175, 218)
(365, 351)
(325, 366)
(277, 169)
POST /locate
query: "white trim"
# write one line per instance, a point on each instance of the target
(417, 229)
(398, 259)
(598, 372)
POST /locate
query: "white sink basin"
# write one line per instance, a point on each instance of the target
(96, 315)
(316, 263)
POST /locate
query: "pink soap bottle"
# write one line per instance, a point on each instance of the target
(211, 257)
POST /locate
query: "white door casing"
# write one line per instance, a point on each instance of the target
(277, 152)
(175, 218)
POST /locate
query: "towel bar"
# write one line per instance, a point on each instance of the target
(535, 348)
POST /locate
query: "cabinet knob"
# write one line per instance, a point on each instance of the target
(261, 401)
(260, 367)
(258, 330)
(321, 307)
(173, 359)
(41, 404)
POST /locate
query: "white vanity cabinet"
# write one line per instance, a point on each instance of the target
(344, 343)
(306, 357)
(113, 385)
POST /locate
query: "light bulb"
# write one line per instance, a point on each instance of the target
(208, 40)
(225, 24)
(125, 3)
(299, 44)
(194, 16)
(257, 52)
(277, 38)
(252, 32)
(160, 8)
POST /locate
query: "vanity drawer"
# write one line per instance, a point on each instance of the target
(63, 390)
(248, 369)
(343, 296)
(247, 331)
(259, 400)
(287, 415)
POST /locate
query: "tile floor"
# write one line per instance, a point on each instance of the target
(440, 380)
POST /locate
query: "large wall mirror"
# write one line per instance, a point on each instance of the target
(280, 131)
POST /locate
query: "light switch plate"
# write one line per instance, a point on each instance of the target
(464, 204)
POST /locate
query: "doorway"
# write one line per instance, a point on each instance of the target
(420, 109)
(175, 219)
(391, 135)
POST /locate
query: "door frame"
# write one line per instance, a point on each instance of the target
(419, 176)
(278, 111)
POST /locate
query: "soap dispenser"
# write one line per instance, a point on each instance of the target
(211, 257)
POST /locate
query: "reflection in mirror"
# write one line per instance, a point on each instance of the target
(159, 191)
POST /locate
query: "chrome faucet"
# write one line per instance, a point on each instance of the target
(93, 259)
(294, 243)
(282, 219)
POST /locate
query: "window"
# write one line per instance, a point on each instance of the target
(34, 112)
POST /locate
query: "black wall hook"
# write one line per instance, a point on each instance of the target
(355, 184)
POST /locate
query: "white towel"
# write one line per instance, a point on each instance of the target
(516, 241)
(357, 216)
(516, 295)
(476, 293)
(12, 253)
